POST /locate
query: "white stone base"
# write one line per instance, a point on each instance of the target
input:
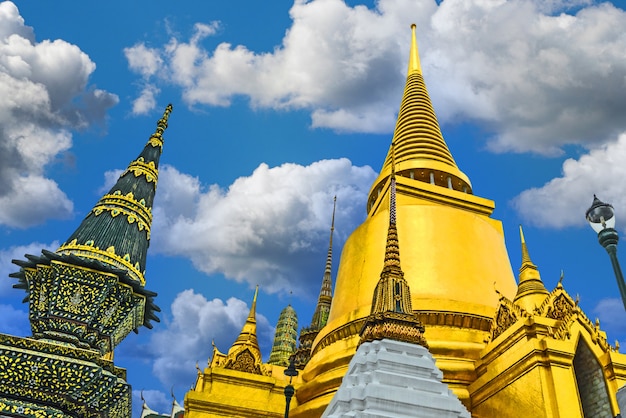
(392, 379)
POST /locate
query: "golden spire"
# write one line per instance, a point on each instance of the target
(530, 291)
(392, 315)
(415, 65)
(247, 336)
(526, 262)
(421, 152)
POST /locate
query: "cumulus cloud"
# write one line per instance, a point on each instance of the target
(270, 228)
(45, 91)
(571, 194)
(195, 323)
(536, 74)
(538, 81)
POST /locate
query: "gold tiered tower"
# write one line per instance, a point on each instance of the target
(504, 349)
(455, 253)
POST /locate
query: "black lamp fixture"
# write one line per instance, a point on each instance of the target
(601, 217)
(289, 389)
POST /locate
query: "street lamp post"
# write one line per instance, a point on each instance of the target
(289, 389)
(601, 217)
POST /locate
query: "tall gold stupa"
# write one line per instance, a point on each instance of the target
(505, 350)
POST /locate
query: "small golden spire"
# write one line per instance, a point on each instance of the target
(525, 256)
(530, 291)
(414, 58)
(391, 314)
(247, 336)
(252, 313)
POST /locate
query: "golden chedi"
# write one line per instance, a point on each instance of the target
(502, 348)
(455, 252)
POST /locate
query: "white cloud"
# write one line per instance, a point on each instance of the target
(146, 101)
(533, 75)
(24, 206)
(143, 60)
(538, 81)
(571, 194)
(18, 252)
(270, 228)
(195, 323)
(45, 96)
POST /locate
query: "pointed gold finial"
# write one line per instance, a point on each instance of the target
(252, 313)
(414, 58)
(525, 255)
(247, 336)
(530, 291)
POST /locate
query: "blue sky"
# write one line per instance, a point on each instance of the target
(277, 108)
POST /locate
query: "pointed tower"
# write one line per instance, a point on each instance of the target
(285, 339)
(392, 373)
(455, 252)
(247, 337)
(244, 355)
(391, 314)
(324, 302)
(530, 291)
(117, 230)
(421, 152)
(320, 316)
(90, 292)
(84, 299)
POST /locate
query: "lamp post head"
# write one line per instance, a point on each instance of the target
(291, 370)
(600, 215)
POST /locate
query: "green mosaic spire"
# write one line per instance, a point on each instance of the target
(90, 293)
(285, 339)
(117, 230)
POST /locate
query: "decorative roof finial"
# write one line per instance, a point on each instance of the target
(530, 291)
(247, 336)
(414, 58)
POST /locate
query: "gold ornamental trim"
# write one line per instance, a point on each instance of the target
(107, 256)
(156, 141)
(398, 326)
(140, 168)
(135, 211)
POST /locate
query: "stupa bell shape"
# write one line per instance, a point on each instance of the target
(454, 254)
